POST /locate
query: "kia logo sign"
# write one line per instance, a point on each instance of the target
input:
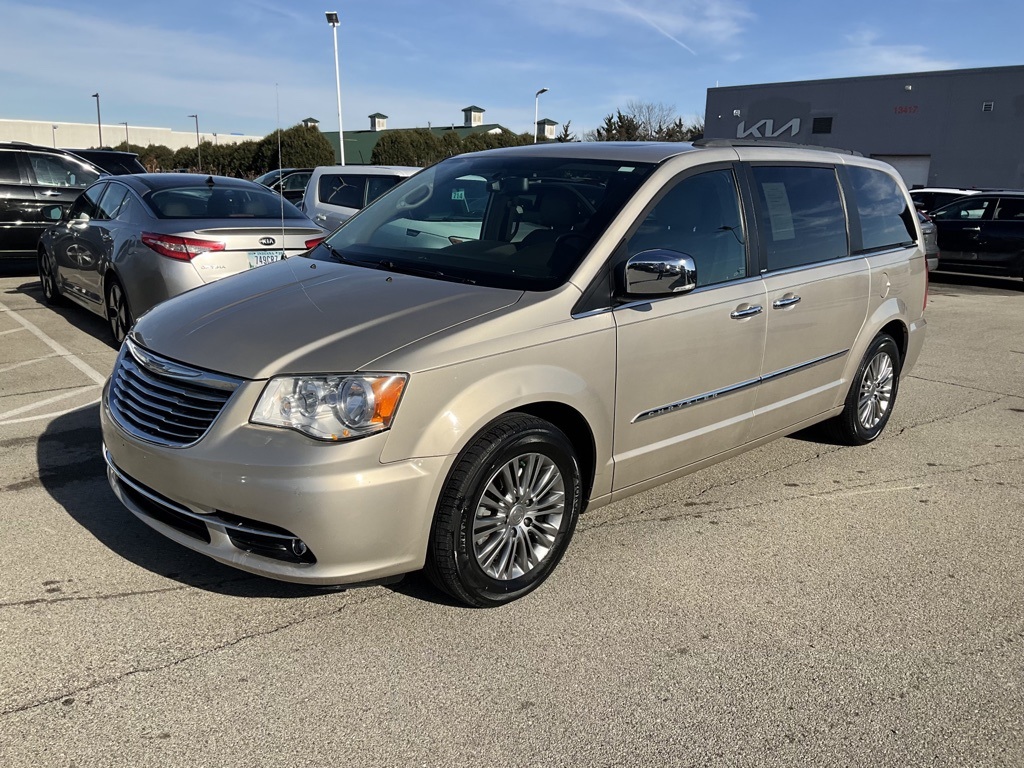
(267, 241)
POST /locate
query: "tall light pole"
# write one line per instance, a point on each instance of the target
(127, 146)
(199, 149)
(332, 19)
(99, 122)
(53, 130)
(536, 111)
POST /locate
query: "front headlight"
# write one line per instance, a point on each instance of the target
(331, 407)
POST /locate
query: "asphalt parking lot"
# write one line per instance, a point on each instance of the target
(803, 604)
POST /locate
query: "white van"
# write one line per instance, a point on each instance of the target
(336, 192)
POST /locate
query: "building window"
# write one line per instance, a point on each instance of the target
(821, 125)
(988, 106)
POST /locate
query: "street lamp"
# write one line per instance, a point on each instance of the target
(127, 146)
(53, 130)
(536, 111)
(199, 149)
(332, 19)
(99, 122)
(215, 139)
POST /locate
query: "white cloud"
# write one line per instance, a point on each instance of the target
(865, 54)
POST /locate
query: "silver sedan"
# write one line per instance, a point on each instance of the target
(130, 242)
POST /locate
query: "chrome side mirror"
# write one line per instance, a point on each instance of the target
(659, 272)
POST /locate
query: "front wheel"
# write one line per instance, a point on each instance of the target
(119, 315)
(872, 395)
(48, 280)
(507, 512)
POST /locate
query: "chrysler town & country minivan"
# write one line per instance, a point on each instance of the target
(506, 339)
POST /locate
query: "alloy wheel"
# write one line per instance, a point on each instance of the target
(875, 391)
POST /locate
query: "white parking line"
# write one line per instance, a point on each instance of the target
(12, 366)
(47, 401)
(13, 330)
(80, 364)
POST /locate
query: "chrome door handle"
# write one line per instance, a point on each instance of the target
(49, 192)
(739, 314)
(966, 229)
(788, 301)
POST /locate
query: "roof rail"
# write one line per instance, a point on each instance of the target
(770, 143)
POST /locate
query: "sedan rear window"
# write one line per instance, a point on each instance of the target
(212, 202)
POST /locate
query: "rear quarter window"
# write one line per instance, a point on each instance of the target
(886, 220)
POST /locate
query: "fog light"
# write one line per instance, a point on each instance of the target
(299, 547)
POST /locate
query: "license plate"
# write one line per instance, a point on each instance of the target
(259, 258)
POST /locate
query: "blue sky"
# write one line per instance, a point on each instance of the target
(421, 61)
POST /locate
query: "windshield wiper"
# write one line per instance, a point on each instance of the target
(422, 272)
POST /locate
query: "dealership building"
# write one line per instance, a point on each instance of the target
(956, 128)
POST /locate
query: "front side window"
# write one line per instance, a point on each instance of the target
(504, 221)
(803, 214)
(60, 171)
(885, 218)
(965, 209)
(699, 216)
(86, 205)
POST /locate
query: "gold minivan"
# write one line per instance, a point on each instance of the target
(506, 339)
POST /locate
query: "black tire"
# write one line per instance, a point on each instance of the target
(487, 569)
(48, 280)
(872, 395)
(119, 316)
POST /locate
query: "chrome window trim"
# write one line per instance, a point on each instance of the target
(815, 264)
(678, 405)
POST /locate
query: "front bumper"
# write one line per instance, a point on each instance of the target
(244, 494)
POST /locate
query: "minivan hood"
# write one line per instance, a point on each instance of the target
(306, 316)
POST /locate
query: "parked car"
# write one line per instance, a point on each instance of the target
(33, 181)
(930, 241)
(292, 186)
(112, 161)
(130, 242)
(390, 402)
(336, 192)
(929, 199)
(268, 178)
(983, 233)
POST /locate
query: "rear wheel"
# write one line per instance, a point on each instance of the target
(47, 278)
(872, 395)
(507, 512)
(118, 314)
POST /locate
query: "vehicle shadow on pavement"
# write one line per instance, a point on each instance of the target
(77, 316)
(72, 470)
(980, 283)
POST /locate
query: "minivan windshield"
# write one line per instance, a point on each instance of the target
(497, 220)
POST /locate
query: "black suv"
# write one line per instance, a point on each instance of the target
(34, 181)
(112, 161)
(983, 233)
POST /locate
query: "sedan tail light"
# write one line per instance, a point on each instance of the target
(180, 248)
(311, 244)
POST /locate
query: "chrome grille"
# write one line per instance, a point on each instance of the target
(164, 402)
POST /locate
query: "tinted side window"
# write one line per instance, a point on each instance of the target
(86, 205)
(60, 171)
(1010, 209)
(9, 173)
(699, 216)
(378, 185)
(802, 213)
(885, 217)
(112, 201)
(966, 208)
(346, 190)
